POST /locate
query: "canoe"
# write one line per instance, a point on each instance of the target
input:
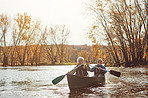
(79, 82)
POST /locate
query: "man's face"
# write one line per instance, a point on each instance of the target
(81, 61)
(99, 62)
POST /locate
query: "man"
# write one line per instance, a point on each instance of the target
(82, 70)
(99, 69)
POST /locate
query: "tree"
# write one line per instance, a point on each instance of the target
(85, 54)
(24, 33)
(4, 27)
(125, 27)
(56, 39)
(62, 39)
(146, 7)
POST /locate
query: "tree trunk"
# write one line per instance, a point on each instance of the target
(146, 6)
(5, 61)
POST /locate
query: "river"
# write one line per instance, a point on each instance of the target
(35, 82)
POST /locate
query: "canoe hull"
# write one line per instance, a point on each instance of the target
(78, 82)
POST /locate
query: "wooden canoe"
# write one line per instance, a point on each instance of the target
(79, 82)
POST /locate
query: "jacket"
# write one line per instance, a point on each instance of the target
(98, 71)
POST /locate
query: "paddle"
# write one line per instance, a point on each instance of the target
(58, 79)
(115, 73)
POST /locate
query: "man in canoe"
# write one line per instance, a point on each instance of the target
(82, 70)
(99, 69)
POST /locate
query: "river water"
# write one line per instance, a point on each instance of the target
(35, 82)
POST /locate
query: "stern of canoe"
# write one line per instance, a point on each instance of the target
(77, 82)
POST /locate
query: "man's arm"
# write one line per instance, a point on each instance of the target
(103, 67)
(92, 69)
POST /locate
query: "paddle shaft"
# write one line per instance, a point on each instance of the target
(60, 78)
(74, 69)
(115, 73)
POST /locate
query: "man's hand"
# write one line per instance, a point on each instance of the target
(68, 72)
(99, 68)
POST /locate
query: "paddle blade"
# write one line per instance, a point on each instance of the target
(115, 73)
(58, 79)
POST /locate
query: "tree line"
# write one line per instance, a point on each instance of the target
(124, 25)
(24, 41)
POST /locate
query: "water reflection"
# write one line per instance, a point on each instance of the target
(2, 82)
(87, 92)
(80, 93)
(16, 83)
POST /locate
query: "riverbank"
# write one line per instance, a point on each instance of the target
(61, 64)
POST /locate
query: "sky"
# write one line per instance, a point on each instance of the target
(72, 13)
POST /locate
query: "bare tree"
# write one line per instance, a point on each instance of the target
(25, 30)
(4, 27)
(55, 41)
(61, 42)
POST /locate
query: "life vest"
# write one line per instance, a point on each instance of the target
(81, 71)
(98, 71)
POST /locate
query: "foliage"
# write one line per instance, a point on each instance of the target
(125, 29)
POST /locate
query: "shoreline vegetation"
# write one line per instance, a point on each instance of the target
(65, 64)
(1, 64)
(138, 66)
(42, 56)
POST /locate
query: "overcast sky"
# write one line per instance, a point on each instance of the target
(52, 12)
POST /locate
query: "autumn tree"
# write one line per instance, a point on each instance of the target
(55, 40)
(86, 54)
(71, 55)
(24, 33)
(146, 7)
(4, 28)
(125, 27)
(35, 45)
(61, 40)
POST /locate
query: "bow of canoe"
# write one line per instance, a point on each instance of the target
(78, 82)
